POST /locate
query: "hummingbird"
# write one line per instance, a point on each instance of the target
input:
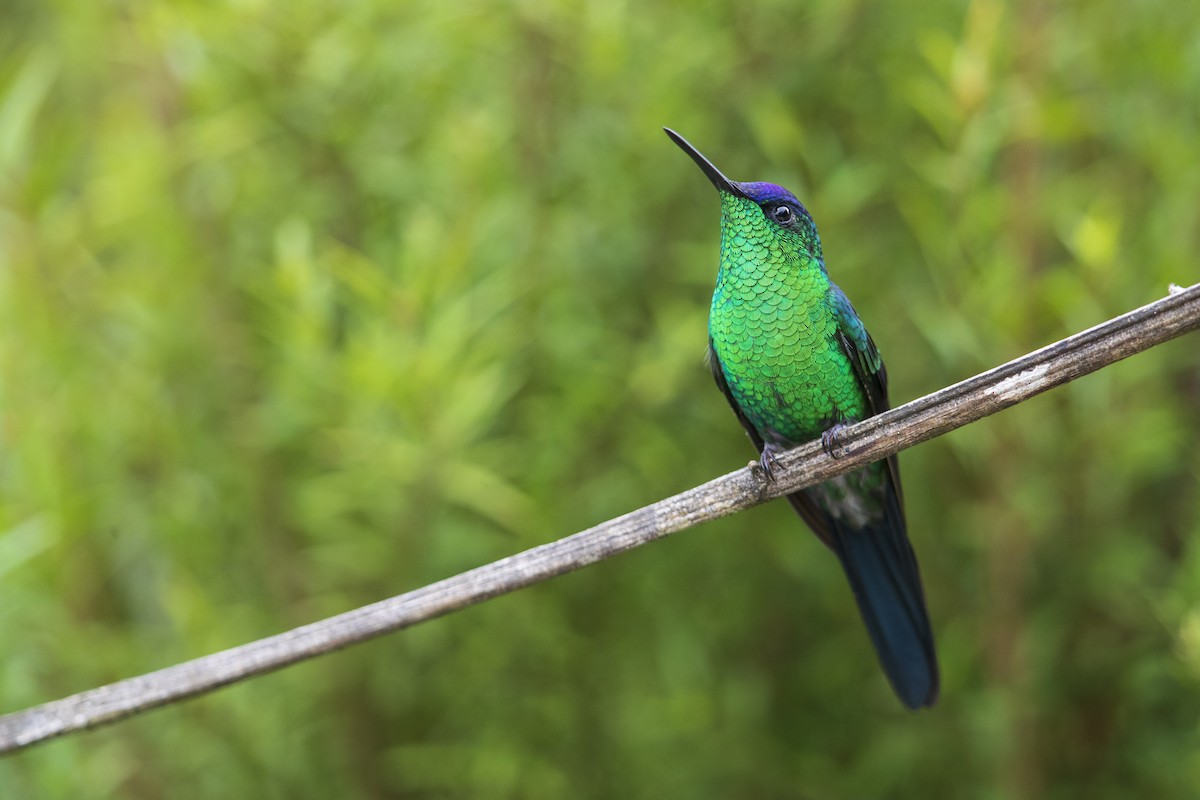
(796, 363)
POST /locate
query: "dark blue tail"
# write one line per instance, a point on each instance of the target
(882, 569)
(883, 574)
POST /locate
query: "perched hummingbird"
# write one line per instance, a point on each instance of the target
(795, 363)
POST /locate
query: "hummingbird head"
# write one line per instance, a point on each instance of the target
(762, 214)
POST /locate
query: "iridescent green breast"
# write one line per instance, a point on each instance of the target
(773, 328)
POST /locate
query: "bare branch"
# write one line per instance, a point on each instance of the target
(859, 444)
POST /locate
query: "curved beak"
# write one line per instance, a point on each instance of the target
(715, 175)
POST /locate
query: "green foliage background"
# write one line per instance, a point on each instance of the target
(308, 304)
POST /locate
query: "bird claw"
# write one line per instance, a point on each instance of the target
(768, 461)
(830, 439)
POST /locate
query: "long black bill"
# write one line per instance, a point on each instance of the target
(718, 179)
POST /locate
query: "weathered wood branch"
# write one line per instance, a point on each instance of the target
(859, 444)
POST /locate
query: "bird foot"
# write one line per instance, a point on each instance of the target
(830, 439)
(769, 460)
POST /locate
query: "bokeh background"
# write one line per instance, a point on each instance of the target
(308, 304)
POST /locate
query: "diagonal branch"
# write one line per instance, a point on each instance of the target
(859, 444)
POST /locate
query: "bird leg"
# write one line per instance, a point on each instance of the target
(769, 460)
(830, 437)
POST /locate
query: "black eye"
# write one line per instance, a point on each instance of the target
(781, 214)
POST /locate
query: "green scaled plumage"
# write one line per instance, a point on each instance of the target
(773, 330)
(795, 362)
